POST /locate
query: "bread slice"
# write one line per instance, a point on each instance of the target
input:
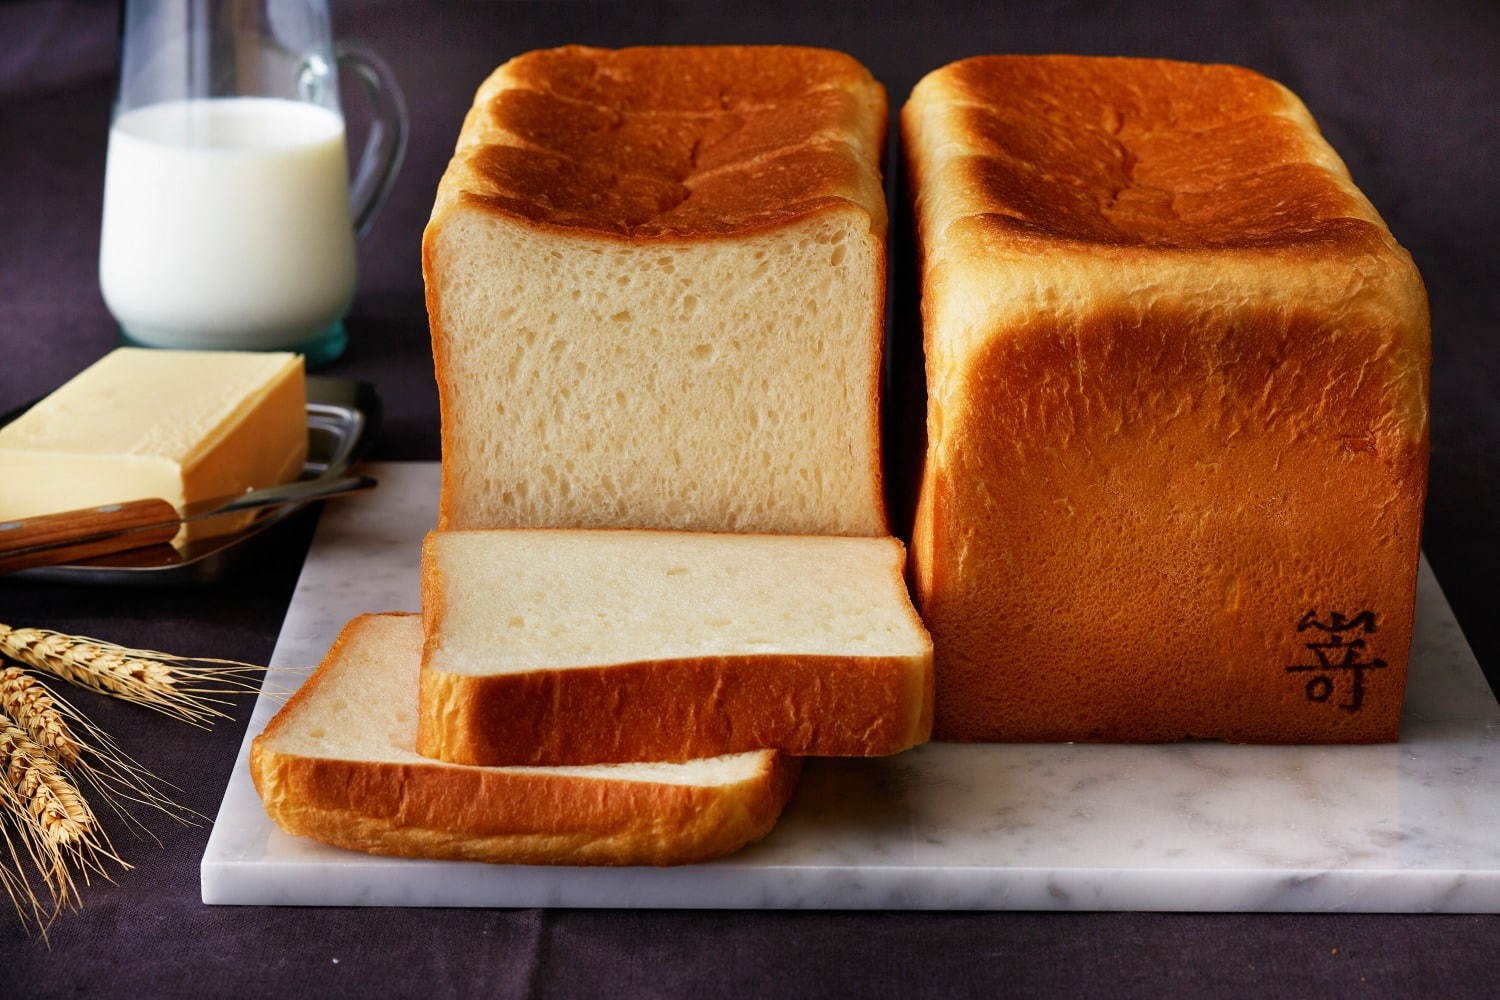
(1178, 378)
(655, 281)
(338, 764)
(574, 647)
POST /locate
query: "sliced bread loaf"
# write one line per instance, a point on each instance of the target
(656, 281)
(574, 647)
(338, 764)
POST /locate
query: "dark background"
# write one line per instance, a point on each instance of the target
(1407, 93)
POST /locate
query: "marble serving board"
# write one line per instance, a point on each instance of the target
(1413, 826)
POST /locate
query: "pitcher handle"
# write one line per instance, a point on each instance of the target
(385, 146)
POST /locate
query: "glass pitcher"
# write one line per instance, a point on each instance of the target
(229, 215)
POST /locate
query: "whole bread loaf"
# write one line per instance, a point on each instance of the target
(551, 646)
(338, 763)
(655, 281)
(1177, 420)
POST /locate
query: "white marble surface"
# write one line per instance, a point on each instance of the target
(1408, 827)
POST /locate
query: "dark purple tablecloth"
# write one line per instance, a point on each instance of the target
(1406, 92)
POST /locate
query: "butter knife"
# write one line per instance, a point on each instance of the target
(70, 536)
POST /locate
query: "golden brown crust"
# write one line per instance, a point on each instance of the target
(675, 710)
(1158, 439)
(443, 811)
(448, 391)
(672, 142)
(509, 817)
(1139, 153)
(434, 612)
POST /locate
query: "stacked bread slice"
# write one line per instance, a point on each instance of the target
(655, 279)
(339, 764)
(581, 647)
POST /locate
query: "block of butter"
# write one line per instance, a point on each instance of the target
(180, 425)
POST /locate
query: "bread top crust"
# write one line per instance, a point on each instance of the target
(1056, 184)
(1139, 152)
(671, 142)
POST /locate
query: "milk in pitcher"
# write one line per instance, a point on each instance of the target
(227, 223)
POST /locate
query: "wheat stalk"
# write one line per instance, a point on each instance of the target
(57, 825)
(31, 705)
(50, 798)
(83, 748)
(47, 747)
(27, 904)
(186, 688)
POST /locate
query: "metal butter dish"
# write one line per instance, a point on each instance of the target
(342, 418)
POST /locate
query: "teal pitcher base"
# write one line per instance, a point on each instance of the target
(319, 350)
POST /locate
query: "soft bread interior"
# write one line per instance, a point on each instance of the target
(361, 705)
(716, 385)
(515, 601)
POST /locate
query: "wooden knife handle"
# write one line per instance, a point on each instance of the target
(80, 527)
